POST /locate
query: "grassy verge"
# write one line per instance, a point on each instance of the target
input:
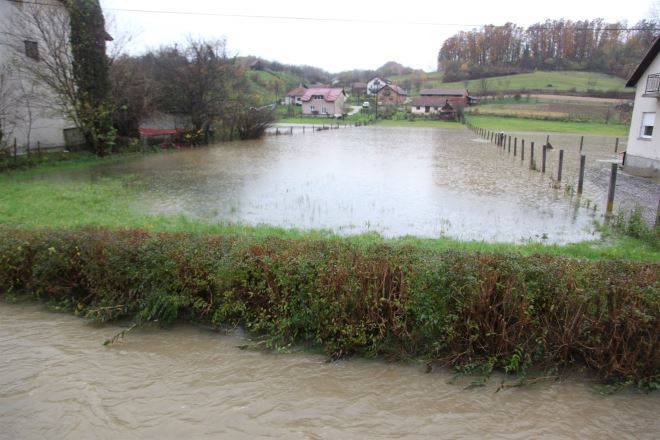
(470, 310)
(519, 124)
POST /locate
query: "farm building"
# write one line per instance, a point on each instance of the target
(433, 105)
(643, 151)
(294, 96)
(323, 101)
(391, 94)
(457, 97)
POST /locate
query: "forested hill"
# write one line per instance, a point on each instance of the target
(592, 45)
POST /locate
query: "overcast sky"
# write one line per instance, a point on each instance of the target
(410, 32)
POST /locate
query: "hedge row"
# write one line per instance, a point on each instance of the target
(459, 308)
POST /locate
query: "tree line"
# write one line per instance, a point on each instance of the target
(591, 45)
(109, 95)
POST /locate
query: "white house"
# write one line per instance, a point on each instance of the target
(375, 84)
(22, 114)
(324, 101)
(643, 151)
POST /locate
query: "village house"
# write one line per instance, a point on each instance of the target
(457, 97)
(643, 150)
(22, 118)
(294, 96)
(375, 84)
(433, 106)
(391, 94)
(323, 101)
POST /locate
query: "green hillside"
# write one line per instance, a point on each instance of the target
(269, 86)
(557, 81)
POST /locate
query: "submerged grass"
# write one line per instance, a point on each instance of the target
(36, 199)
(472, 310)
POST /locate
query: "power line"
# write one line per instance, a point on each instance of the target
(325, 20)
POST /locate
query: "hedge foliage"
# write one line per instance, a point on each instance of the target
(458, 308)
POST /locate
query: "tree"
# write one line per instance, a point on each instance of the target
(90, 70)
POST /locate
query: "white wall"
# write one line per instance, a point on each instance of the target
(372, 82)
(47, 126)
(641, 152)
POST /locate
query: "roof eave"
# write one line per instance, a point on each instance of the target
(645, 63)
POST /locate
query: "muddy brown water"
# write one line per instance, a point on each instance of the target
(395, 181)
(57, 381)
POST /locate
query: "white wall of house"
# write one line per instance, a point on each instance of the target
(44, 126)
(421, 110)
(375, 83)
(643, 151)
(321, 107)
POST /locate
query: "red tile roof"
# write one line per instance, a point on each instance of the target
(330, 94)
(429, 101)
(298, 91)
(398, 90)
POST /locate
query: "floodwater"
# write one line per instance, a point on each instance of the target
(57, 381)
(394, 181)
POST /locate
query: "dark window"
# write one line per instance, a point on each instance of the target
(32, 50)
(648, 131)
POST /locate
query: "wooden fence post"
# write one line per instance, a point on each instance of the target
(509, 149)
(15, 150)
(515, 147)
(561, 165)
(522, 150)
(544, 153)
(616, 145)
(581, 142)
(581, 177)
(531, 155)
(610, 193)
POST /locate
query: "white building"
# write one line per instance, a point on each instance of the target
(23, 114)
(375, 84)
(643, 151)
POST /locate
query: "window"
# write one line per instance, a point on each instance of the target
(311, 107)
(32, 49)
(648, 122)
(324, 111)
(419, 108)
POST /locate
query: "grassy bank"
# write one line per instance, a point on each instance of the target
(511, 124)
(474, 311)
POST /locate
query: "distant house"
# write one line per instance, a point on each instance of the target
(643, 151)
(323, 101)
(391, 94)
(359, 88)
(433, 106)
(457, 97)
(257, 65)
(294, 96)
(375, 84)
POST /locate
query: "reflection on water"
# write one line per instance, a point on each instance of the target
(58, 381)
(396, 181)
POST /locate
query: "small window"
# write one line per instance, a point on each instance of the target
(419, 108)
(32, 50)
(311, 107)
(648, 122)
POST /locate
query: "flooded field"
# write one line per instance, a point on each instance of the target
(58, 381)
(395, 181)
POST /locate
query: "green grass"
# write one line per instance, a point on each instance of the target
(29, 201)
(540, 80)
(520, 124)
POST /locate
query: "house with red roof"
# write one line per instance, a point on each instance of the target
(323, 101)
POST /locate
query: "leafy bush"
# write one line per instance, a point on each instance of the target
(463, 309)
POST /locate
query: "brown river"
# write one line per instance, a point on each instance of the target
(57, 381)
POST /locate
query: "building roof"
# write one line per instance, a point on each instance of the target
(646, 62)
(298, 91)
(359, 85)
(443, 92)
(429, 101)
(385, 80)
(330, 94)
(398, 90)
